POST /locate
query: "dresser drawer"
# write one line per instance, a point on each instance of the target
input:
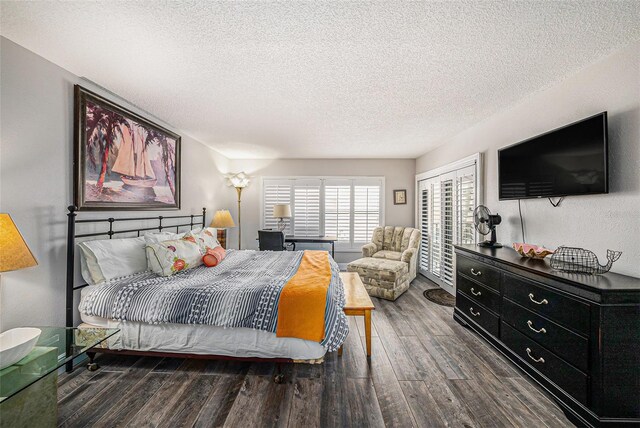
(478, 313)
(479, 271)
(564, 310)
(479, 293)
(562, 342)
(567, 377)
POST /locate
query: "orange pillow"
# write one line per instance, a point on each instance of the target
(209, 260)
(214, 256)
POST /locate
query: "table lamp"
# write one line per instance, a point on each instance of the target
(239, 180)
(14, 255)
(14, 252)
(222, 220)
(282, 212)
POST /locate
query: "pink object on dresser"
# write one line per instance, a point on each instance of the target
(531, 251)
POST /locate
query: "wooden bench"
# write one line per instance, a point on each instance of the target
(357, 303)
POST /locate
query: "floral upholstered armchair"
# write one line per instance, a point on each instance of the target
(395, 243)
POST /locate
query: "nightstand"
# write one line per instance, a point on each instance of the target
(29, 389)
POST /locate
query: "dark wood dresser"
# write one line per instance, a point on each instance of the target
(577, 335)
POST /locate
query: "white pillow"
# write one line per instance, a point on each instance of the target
(170, 257)
(86, 267)
(106, 259)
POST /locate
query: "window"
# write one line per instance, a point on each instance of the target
(275, 192)
(346, 207)
(337, 211)
(446, 200)
(306, 209)
(366, 212)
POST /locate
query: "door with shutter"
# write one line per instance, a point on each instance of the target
(466, 200)
(447, 219)
(435, 230)
(424, 193)
(446, 202)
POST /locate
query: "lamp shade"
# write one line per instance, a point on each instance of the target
(222, 219)
(14, 252)
(282, 211)
(239, 180)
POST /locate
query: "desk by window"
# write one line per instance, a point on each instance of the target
(314, 240)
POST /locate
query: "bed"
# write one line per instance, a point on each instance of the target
(236, 310)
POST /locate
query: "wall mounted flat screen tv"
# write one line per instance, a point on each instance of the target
(571, 160)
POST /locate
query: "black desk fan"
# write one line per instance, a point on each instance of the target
(486, 222)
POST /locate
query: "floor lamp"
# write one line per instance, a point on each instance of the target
(239, 181)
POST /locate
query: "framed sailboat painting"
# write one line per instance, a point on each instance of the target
(122, 161)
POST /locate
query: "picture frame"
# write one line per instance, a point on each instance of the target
(122, 161)
(400, 197)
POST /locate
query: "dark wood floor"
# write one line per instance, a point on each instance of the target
(426, 370)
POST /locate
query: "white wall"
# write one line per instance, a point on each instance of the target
(598, 222)
(36, 116)
(398, 173)
(36, 143)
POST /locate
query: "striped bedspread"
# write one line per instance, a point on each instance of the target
(242, 291)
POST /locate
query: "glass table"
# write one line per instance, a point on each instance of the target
(56, 347)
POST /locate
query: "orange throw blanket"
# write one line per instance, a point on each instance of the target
(303, 299)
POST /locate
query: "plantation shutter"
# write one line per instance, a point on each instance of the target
(306, 208)
(275, 192)
(448, 221)
(423, 190)
(466, 201)
(445, 217)
(337, 209)
(348, 208)
(435, 229)
(366, 211)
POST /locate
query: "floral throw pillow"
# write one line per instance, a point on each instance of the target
(205, 238)
(170, 257)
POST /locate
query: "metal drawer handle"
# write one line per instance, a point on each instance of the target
(537, 360)
(541, 302)
(475, 293)
(475, 272)
(530, 324)
(475, 314)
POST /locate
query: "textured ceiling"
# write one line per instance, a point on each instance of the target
(317, 80)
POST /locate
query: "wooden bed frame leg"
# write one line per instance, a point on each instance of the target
(91, 365)
(340, 351)
(278, 376)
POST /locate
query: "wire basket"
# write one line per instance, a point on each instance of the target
(572, 259)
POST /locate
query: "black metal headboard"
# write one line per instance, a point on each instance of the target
(111, 222)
